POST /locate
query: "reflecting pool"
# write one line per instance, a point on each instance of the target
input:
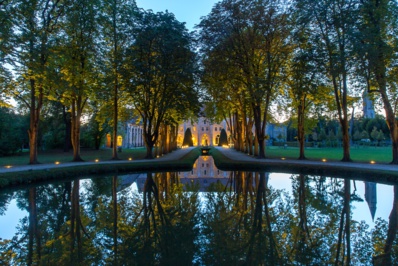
(202, 217)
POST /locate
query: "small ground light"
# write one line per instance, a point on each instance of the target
(57, 162)
(323, 160)
(372, 162)
(96, 160)
(130, 159)
(8, 166)
(283, 158)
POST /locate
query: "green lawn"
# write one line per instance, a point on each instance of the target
(361, 154)
(62, 157)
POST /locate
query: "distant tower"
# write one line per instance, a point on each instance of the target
(368, 109)
(371, 197)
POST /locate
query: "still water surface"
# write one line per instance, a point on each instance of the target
(202, 217)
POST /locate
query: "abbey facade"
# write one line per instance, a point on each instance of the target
(204, 133)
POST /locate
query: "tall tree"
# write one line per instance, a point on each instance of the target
(77, 63)
(117, 20)
(253, 36)
(302, 79)
(378, 46)
(161, 78)
(332, 24)
(34, 26)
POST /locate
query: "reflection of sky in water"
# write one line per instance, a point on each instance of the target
(206, 170)
(10, 220)
(360, 210)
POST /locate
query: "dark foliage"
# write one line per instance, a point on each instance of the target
(188, 138)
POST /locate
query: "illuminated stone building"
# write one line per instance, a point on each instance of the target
(134, 135)
(204, 133)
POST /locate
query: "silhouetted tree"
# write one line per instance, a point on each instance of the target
(223, 138)
(188, 138)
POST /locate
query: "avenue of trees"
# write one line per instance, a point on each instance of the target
(101, 61)
(104, 62)
(309, 58)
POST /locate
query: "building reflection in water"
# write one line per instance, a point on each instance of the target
(371, 197)
(204, 172)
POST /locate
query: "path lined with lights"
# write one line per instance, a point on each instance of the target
(230, 153)
(173, 156)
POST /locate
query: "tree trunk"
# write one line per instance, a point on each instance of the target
(115, 120)
(149, 146)
(33, 131)
(300, 130)
(260, 134)
(75, 129)
(68, 130)
(392, 124)
(238, 132)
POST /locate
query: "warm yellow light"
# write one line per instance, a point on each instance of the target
(57, 162)
(130, 159)
(372, 162)
(225, 146)
(283, 158)
(323, 160)
(96, 160)
(8, 166)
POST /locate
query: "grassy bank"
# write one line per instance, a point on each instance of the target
(63, 157)
(362, 154)
(67, 173)
(313, 168)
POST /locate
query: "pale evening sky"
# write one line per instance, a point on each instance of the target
(189, 11)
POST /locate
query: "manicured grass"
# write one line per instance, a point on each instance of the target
(63, 157)
(362, 154)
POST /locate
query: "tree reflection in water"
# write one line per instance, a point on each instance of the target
(246, 222)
